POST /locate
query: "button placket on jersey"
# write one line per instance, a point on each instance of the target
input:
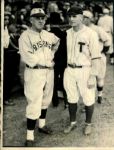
(43, 48)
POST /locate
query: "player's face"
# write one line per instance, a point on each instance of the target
(38, 22)
(75, 20)
(6, 20)
(86, 21)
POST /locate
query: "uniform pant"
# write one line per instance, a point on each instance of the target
(38, 89)
(75, 83)
(102, 67)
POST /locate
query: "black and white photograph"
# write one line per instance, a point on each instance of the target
(57, 74)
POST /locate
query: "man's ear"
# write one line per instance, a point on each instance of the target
(31, 20)
(46, 17)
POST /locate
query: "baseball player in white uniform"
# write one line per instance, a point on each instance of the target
(37, 48)
(104, 45)
(106, 22)
(82, 60)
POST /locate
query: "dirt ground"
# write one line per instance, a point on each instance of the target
(14, 123)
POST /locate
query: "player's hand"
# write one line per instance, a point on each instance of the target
(91, 81)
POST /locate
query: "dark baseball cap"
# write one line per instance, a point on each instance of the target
(37, 12)
(74, 10)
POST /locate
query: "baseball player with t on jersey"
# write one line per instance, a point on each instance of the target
(82, 60)
(104, 45)
(37, 48)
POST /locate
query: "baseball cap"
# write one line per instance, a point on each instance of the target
(37, 12)
(105, 11)
(74, 10)
(7, 13)
(87, 14)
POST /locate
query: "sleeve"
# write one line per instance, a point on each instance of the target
(94, 46)
(104, 37)
(95, 54)
(55, 42)
(6, 39)
(26, 52)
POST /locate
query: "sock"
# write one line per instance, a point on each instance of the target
(43, 113)
(30, 135)
(74, 122)
(31, 124)
(42, 120)
(42, 123)
(89, 113)
(100, 91)
(72, 111)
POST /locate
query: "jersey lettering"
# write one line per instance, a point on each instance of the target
(81, 44)
(41, 44)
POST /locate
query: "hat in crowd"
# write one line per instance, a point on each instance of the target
(37, 12)
(74, 10)
(7, 13)
(105, 11)
(87, 14)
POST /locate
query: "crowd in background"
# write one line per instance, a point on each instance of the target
(16, 18)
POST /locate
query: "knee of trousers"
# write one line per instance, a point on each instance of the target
(70, 100)
(89, 102)
(100, 83)
(33, 111)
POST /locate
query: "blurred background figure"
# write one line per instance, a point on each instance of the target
(7, 74)
(60, 58)
(106, 22)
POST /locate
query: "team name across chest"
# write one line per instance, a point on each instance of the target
(41, 44)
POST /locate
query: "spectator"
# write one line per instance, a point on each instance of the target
(106, 22)
(7, 74)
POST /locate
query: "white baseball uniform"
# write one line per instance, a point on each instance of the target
(106, 22)
(75, 79)
(104, 40)
(37, 51)
(6, 37)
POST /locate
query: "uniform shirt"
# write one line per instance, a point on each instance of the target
(89, 50)
(6, 37)
(38, 48)
(106, 22)
(104, 39)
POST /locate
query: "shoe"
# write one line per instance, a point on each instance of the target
(9, 103)
(65, 106)
(29, 143)
(99, 100)
(83, 110)
(112, 61)
(87, 129)
(70, 128)
(45, 130)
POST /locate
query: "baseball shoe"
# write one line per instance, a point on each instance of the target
(99, 100)
(29, 143)
(70, 128)
(45, 130)
(112, 61)
(65, 106)
(83, 110)
(87, 129)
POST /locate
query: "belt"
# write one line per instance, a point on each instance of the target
(39, 67)
(74, 66)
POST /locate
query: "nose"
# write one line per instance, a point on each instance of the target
(71, 18)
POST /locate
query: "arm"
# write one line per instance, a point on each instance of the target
(26, 51)
(55, 43)
(104, 37)
(95, 58)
